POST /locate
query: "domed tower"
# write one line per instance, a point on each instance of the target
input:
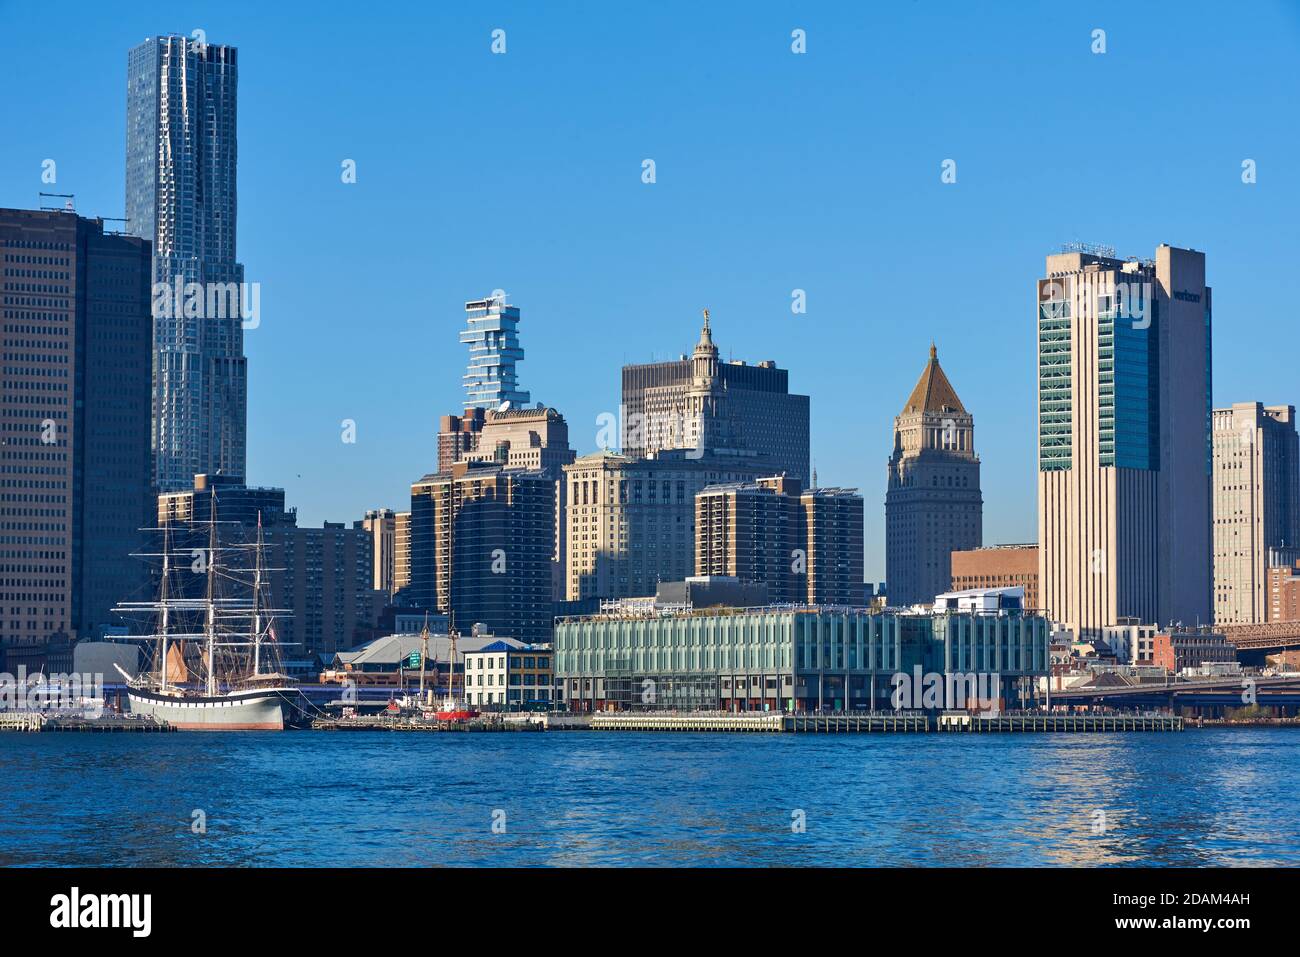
(704, 361)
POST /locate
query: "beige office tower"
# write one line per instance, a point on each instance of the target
(631, 522)
(1124, 438)
(933, 506)
(401, 552)
(1256, 506)
(381, 525)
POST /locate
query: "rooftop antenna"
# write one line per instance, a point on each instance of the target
(69, 207)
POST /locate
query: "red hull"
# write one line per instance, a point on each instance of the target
(455, 715)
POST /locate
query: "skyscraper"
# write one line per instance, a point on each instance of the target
(1256, 505)
(482, 541)
(631, 522)
(523, 438)
(74, 426)
(402, 557)
(708, 406)
(181, 154)
(933, 505)
(381, 525)
(1124, 438)
(492, 335)
(804, 544)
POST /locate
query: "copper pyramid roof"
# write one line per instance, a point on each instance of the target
(933, 392)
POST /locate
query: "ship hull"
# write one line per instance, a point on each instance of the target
(261, 710)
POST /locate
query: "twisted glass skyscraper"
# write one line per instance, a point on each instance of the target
(181, 157)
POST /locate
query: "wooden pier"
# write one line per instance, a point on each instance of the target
(35, 721)
(904, 722)
(21, 721)
(633, 721)
(1062, 723)
(773, 722)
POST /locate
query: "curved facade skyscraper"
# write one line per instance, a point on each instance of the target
(181, 157)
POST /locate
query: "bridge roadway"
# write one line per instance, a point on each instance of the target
(1283, 691)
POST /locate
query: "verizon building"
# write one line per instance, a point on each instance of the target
(1124, 438)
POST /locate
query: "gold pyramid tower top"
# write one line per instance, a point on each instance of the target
(933, 392)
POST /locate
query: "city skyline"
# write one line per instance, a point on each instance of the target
(746, 209)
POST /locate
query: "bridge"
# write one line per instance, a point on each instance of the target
(1278, 691)
(1264, 636)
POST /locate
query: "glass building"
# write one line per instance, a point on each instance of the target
(780, 658)
(181, 154)
(493, 339)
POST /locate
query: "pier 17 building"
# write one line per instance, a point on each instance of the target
(790, 658)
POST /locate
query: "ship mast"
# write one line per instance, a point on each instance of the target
(257, 594)
(211, 623)
(451, 569)
(424, 652)
(163, 616)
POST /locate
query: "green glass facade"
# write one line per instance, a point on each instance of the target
(1055, 405)
(782, 659)
(1128, 382)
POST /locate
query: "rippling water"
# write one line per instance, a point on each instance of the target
(1222, 797)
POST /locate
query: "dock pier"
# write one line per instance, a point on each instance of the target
(36, 721)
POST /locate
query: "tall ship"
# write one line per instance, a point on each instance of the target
(215, 663)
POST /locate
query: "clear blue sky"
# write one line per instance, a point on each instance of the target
(775, 171)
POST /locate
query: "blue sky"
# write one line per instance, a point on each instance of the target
(775, 171)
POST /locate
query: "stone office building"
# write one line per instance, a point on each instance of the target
(74, 427)
(1256, 506)
(714, 407)
(933, 506)
(631, 522)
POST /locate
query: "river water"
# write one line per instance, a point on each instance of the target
(1200, 797)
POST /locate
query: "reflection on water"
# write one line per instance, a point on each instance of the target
(568, 799)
